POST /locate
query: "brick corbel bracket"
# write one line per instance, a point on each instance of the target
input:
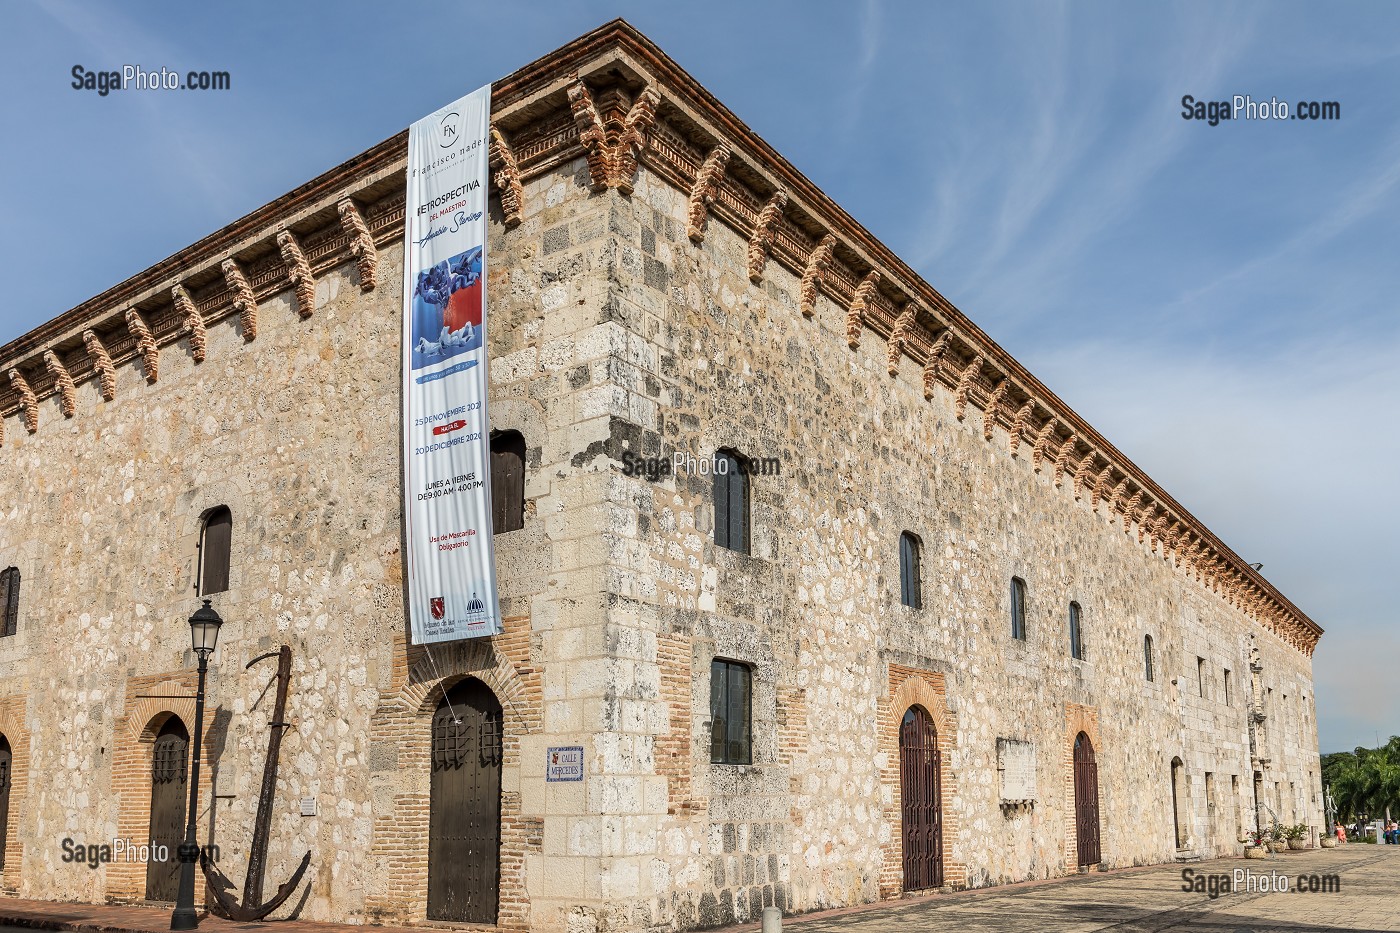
(704, 191)
(29, 405)
(613, 147)
(903, 327)
(191, 319)
(966, 381)
(145, 344)
(860, 302)
(299, 271)
(507, 179)
(361, 243)
(814, 275)
(101, 364)
(243, 300)
(993, 406)
(1062, 458)
(63, 383)
(933, 365)
(1042, 442)
(761, 243)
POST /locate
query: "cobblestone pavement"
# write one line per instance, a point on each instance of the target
(1149, 900)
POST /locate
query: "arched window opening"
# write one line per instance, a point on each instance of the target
(9, 600)
(910, 590)
(507, 482)
(731, 706)
(731, 491)
(1076, 635)
(1147, 657)
(215, 541)
(1018, 608)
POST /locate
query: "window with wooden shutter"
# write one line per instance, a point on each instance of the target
(215, 541)
(910, 591)
(9, 600)
(507, 482)
(731, 491)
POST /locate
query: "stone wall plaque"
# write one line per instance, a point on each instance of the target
(1016, 770)
(564, 764)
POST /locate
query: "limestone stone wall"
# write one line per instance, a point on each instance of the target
(613, 333)
(815, 608)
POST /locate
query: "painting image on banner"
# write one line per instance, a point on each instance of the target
(447, 429)
(447, 309)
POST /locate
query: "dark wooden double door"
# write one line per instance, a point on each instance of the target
(1086, 801)
(921, 804)
(170, 791)
(464, 827)
(6, 778)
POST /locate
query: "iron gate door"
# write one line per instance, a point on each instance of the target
(920, 801)
(1086, 800)
(6, 762)
(169, 792)
(464, 825)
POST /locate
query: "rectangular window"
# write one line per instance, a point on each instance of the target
(731, 687)
(1201, 676)
(9, 605)
(1227, 686)
(1018, 608)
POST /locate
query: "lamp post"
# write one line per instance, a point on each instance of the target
(204, 632)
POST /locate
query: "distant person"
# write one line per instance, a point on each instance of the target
(1341, 833)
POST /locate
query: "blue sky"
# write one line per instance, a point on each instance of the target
(1219, 301)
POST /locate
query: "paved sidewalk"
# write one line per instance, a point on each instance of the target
(101, 918)
(1151, 900)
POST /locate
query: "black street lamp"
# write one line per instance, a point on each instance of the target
(204, 631)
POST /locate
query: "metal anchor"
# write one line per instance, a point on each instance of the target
(250, 909)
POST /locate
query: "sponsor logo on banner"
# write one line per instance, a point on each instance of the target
(447, 458)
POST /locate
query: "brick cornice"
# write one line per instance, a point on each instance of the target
(680, 123)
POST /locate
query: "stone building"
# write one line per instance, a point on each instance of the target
(932, 630)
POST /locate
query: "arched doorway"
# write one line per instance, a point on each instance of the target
(6, 778)
(170, 790)
(1086, 800)
(920, 801)
(464, 824)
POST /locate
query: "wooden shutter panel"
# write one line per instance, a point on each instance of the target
(722, 503)
(738, 506)
(507, 482)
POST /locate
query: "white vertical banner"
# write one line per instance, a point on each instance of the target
(446, 432)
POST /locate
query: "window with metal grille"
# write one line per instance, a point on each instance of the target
(1076, 635)
(910, 593)
(731, 489)
(168, 760)
(1147, 656)
(9, 600)
(1018, 608)
(215, 541)
(731, 687)
(507, 482)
